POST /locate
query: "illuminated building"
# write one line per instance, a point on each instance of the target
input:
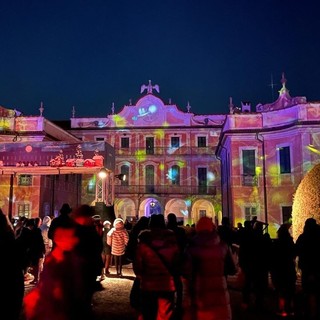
(264, 156)
(36, 171)
(167, 155)
(242, 164)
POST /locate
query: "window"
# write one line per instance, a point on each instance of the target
(249, 162)
(91, 187)
(175, 175)
(23, 209)
(202, 180)
(175, 142)
(287, 214)
(249, 213)
(125, 170)
(149, 145)
(202, 142)
(285, 164)
(202, 213)
(150, 179)
(99, 139)
(25, 180)
(124, 142)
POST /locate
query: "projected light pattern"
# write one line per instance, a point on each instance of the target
(313, 149)
(145, 112)
(173, 174)
(211, 176)
(119, 121)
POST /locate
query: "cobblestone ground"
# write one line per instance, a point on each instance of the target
(112, 302)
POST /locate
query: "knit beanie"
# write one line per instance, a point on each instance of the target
(205, 224)
(116, 221)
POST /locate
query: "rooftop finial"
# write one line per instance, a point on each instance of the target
(283, 81)
(41, 109)
(231, 106)
(73, 111)
(188, 107)
(112, 108)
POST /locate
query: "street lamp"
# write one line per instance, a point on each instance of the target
(102, 185)
(103, 173)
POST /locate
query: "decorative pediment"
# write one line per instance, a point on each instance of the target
(151, 111)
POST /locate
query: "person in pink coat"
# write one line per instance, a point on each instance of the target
(206, 293)
(117, 239)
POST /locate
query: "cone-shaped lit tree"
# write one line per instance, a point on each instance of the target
(306, 203)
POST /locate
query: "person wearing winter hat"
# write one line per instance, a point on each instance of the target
(118, 238)
(106, 250)
(205, 224)
(207, 294)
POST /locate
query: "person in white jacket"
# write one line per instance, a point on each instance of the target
(118, 238)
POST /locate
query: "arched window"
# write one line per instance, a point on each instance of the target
(150, 179)
(175, 175)
(125, 170)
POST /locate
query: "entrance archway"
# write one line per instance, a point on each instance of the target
(202, 208)
(149, 207)
(125, 208)
(179, 208)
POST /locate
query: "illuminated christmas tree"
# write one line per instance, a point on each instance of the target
(306, 203)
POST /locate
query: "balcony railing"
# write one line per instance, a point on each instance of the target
(166, 189)
(165, 151)
(249, 180)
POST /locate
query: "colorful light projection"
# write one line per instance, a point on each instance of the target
(152, 206)
(6, 124)
(119, 121)
(148, 113)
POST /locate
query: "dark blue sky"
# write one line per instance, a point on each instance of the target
(92, 53)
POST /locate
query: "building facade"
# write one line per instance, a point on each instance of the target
(264, 156)
(43, 166)
(167, 155)
(242, 164)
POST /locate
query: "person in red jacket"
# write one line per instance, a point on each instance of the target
(206, 292)
(157, 265)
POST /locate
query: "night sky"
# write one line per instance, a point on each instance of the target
(89, 54)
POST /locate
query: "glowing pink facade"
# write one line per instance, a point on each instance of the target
(168, 156)
(264, 155)
(241, 164)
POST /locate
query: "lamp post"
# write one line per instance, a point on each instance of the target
(105, 180)
(102, 185)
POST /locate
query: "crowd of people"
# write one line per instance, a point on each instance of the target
(180, 271)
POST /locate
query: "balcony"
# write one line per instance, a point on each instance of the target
(249, 180)
(165, 151)
(166, 189)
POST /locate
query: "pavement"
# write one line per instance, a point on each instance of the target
(112, 301)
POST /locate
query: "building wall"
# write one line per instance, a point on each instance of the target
(151, 118)
(268, 193)
(288, 122)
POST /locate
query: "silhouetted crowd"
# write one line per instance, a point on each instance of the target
(180, 271)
